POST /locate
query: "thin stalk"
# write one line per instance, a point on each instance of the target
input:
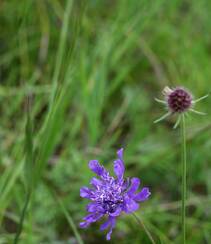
(141, 223)
(20, 226)
(61, 48)
(29, 163)
(70, 221)
(184, 178)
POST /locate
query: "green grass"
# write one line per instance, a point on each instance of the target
(92, 70)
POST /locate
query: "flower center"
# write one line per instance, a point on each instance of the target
(110, 196)
(111, 206)
(179, 100)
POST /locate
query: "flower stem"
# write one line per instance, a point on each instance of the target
(184, 178)
(140, 222)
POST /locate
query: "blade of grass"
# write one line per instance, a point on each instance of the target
(60, 97)
(29, 160)
(51, 132)
(68, 217)
(29, 163)
(70, 221)
(61, 48)
(20, 226)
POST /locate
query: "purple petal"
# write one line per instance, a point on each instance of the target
(130, 205)
(93, 207)
(110, 222)
(105, 225)
(91, 218)
(117, 212)
(135, 183)
(126, 184)
(96, 182)
(84, 225)
(143, 195)
(112, 225)
(96, 167)
(86, 192)
(119, 167)
(120, 153)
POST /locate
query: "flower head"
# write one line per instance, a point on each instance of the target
(178, 101)
(110, 196)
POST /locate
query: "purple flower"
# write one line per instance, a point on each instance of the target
(111, 196)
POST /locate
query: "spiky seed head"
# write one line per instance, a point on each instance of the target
(178, 100)
(167, 91)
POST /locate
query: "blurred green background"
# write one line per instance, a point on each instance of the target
(88, 72)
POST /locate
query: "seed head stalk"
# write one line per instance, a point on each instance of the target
(180, 101)
(184, 178)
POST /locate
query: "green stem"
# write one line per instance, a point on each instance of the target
(20, 226)
(140, 222)
(184, 178)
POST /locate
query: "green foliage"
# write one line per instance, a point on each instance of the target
(92, 70)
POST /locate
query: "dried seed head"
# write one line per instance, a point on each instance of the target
(167, 91)
(178, 100)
